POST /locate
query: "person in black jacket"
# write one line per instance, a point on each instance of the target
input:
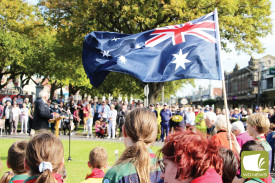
(42, 113)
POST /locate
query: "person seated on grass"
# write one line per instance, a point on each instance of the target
(230, 164)
(189, 157)
(15, 161)
(97, 129)
(137, 163)
(6, 177)
(44, 159)
(97, 163)
(257, 126)
(103, 128)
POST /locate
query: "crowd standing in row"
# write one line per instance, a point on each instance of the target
(188, 156)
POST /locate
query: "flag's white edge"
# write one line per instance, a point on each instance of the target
(222, 73)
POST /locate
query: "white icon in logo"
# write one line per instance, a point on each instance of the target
(252, 163)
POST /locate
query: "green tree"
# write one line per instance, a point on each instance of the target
(241, 22)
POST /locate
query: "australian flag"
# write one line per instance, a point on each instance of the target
(169, 53)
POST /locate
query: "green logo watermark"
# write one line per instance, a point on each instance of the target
(255, 164)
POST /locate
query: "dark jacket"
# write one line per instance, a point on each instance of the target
(41, 115)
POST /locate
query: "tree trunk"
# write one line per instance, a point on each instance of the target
(61, 92)
(154, 91)
(73, 89)
(53, 88)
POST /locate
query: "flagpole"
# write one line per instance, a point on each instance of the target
(222, 75)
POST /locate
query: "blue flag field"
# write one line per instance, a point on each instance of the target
(169, 53)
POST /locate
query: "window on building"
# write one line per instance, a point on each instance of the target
(269, 83)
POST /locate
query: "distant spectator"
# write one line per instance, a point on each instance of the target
(236, 114)
(16, 112)
(242, 136)
(97, 163)
(210, 120)
(15, 161)
(19, 101)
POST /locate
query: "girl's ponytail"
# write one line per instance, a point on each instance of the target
(141, 126)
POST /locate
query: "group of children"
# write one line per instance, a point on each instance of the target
(42, 160)
(101, 129)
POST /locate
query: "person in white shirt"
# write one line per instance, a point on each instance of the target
(112, 121)
(8, 118)
(190, 118)
(24, 118)
(90, 120)
(103, 111)
(15, 116)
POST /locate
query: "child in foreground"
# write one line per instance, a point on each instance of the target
(44, 158)
(97, 162)
(15, 161)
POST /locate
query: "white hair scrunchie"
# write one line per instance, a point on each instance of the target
(45, 166)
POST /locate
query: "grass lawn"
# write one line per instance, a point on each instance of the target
(77, 169)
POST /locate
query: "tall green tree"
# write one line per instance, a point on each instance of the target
(241, 22)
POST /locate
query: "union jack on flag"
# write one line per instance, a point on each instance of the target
(177, 32)
(188, 50)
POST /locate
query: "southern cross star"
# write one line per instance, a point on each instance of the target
(114, 39)
(180, 60)
(105, 53)
(122, 59)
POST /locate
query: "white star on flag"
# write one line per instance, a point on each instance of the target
(180, 60)
(138, 46)
(122, 59)
(114, 39)
(105, 53)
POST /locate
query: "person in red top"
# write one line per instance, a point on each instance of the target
(97, 162)
(190, 157)
(44, 158)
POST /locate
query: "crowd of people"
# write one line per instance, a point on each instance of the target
(187, 155)
(107, 117)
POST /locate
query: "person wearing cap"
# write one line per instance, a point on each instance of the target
(152, 108)
(236, 114)
(206, 109)
(165, 115)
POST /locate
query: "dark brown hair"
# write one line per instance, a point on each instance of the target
(16, 156)
(230, 165)
(252, 145)
(98, 157)
(44, 147)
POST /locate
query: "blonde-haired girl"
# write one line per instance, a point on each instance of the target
(137, 163)
(44, 158)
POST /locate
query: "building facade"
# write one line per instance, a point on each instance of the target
(244, 85)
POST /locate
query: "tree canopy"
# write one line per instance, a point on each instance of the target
(51, 35)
